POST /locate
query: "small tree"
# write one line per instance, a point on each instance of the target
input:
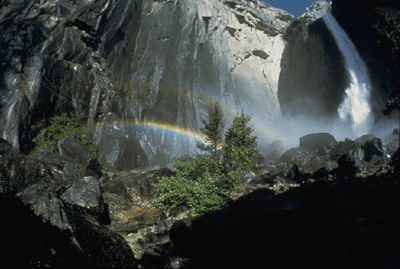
(240, 144)
(213, 125)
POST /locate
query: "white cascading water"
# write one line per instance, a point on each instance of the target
(356, 104)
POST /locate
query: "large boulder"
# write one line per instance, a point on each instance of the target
(317, 141)
(75, 150)
(85, 195)
(341, 148)
(50, 211)
(373, 147)
(292, 154)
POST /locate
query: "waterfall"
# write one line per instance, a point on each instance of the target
(355, 107)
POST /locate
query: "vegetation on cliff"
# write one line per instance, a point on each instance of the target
(62, 126)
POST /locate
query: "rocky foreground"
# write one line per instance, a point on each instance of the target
(323, 204)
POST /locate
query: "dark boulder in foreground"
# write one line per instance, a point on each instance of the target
(341, 224)
(51, 213)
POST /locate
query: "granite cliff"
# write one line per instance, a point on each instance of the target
(139, 73)
(115, 64)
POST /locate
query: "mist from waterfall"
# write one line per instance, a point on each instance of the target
(355, 108)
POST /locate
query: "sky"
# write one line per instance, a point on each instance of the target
(294, 7)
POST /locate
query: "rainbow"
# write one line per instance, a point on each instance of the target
(143, 126)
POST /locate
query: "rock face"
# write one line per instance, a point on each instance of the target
(117, 63)
(313, 77)
(317, 9)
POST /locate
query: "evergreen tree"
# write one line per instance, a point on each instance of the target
(240, 144)
(213, 125)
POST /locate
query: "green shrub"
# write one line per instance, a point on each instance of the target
(60, 127)
(240, 144)
(200, 184)
(66, 126)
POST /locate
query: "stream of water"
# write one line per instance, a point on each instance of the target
(355, 108)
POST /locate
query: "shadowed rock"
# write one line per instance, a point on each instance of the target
(85, 195)
(317, 141)
(75, 150)
(39, 215)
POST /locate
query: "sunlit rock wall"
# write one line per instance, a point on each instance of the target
(183, 53)
(114, 64)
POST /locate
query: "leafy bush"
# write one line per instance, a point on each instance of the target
(60, 127)
(200, 184)
(240, 144)
(66, 126)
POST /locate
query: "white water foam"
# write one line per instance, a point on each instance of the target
(355, 108)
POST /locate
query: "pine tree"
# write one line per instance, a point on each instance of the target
(240, 144)
(213, 125)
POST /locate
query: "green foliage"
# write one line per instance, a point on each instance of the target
(106, 166)
(240, 144)
(87, 140)
(66, 126)
(213, 126)
(60, 127)
(200, 184)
